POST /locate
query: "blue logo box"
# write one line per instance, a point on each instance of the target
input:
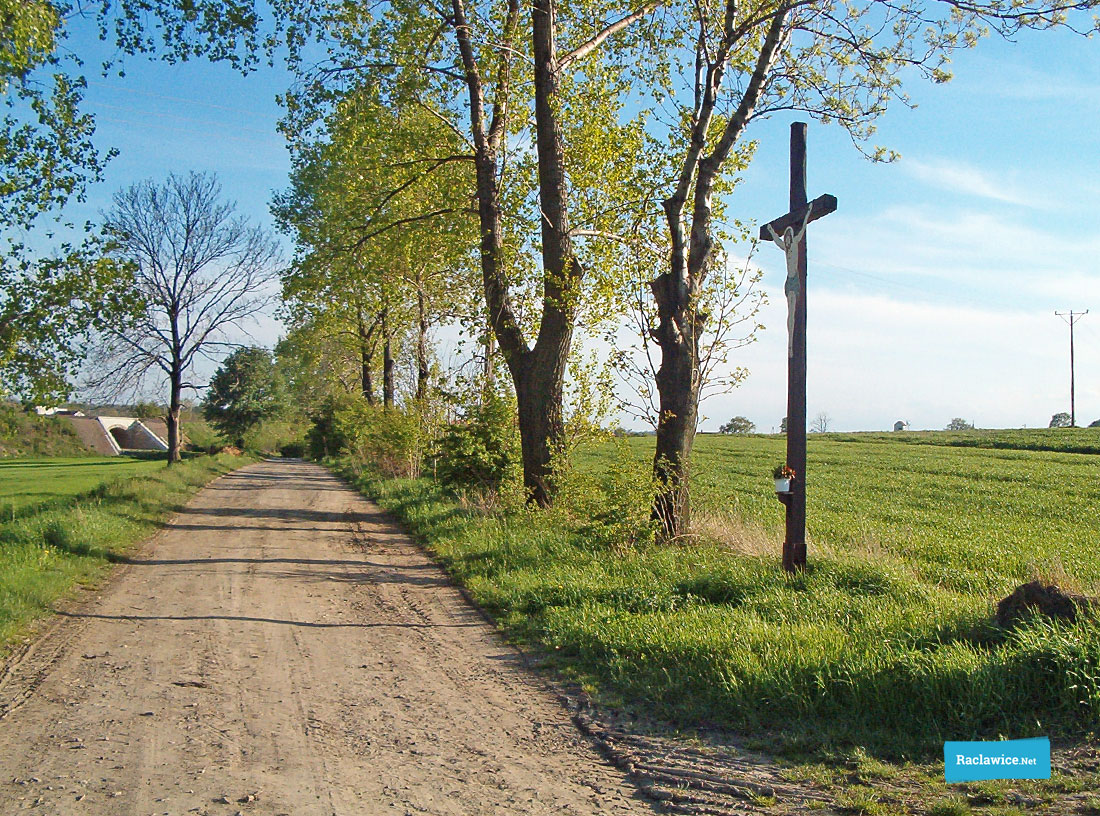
(1004, 759)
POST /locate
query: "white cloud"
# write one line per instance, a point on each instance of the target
(875, 359)
(960, 178)
(963, 254)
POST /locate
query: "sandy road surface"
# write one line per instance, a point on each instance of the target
(281, 649)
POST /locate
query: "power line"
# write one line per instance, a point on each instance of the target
(1071, 317)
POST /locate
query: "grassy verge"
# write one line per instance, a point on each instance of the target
(44, 555)
(855, 672)
(885, 643)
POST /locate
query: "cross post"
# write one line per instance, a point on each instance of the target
(789, 232)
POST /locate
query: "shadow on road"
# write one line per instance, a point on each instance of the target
(247, 619)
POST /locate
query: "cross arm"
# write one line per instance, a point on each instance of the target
(821, 206)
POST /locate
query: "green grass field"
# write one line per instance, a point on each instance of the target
(87, 521)
(886, 643)
(26, 484)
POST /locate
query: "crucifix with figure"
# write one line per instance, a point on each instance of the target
(789, 234)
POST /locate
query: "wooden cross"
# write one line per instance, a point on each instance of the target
(789, 232)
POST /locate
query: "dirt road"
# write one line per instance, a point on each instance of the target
(282, 649)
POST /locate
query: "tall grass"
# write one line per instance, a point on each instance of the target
(44, 555)
(885, 642)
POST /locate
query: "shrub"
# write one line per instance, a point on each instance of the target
(482, 451)
(393, 440)
(272, 435)
(201, 436)
(327, 436)
(609, 509)
(293, 450)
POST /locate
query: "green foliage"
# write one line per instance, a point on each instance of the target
(48, 303)
(481, 451)
(392, 441)
(738, 425)
(1061, 420)
(610, 508)
(149, 410)
(328, 433)
(274, 436)
(201, 435)
(959, 424)
(49, 307)
(246, 390)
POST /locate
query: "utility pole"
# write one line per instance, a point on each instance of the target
(1071, 317)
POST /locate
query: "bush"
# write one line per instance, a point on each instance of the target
(327, 436)
(393, 441)
(293, 450)
(272, 435)
(201, 436)
(610, 509)
(481, 452)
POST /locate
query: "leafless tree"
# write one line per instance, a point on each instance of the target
(201, 271)
(821, 423)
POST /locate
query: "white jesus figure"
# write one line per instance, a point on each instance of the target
(788, 242)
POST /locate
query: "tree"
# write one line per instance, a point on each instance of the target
(200, 271)
(374, 279)
(244, 391)
(457, 62)
(959, 424)
(47, 303)
(738, 425)
(1060, 420)
(821, 423)
(836, 62)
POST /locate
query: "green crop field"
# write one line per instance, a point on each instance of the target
(32, 483)
(886, 643)
(961, 518)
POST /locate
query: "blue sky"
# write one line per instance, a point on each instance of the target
(932, 288)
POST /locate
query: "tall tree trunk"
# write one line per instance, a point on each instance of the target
(387, 361)
(540, 384)
(421, 346)
(680, 322)
(366, 357)
(175, 403)
(678, 383)
(538, 373)
(539, 388)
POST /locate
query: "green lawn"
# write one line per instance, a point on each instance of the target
(83, 520)
(28, 483)
(886, 642)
